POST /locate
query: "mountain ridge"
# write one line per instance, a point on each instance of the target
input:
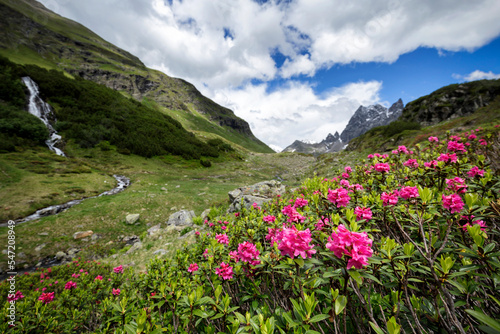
(32, 34)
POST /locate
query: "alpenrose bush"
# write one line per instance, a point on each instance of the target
(386, 246)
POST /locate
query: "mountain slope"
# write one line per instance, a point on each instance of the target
(32, 34)
(331, 143)
(449, 109)
(366, 118)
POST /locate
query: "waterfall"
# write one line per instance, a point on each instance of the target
(44, 112)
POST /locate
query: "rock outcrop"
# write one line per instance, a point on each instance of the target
(259, 193)
(451, 102)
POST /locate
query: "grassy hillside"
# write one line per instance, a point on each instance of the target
(34, 35)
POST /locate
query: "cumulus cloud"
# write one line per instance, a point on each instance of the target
(225, 46)
(477, 75)
(294, 111)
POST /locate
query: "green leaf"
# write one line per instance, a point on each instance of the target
(340, 304)
(312, 332)
(299, 261)
(318, 317)
(376, 328)
(204, 300)
(483, 318)
(357, 276)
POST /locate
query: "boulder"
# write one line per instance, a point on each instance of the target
(84, 234)
(181, 218)
(60, 255)
(136, 246)
(131, 239)
(160, 252)
(39, 248)
(153, 230)
(132, 218)
(258, 193)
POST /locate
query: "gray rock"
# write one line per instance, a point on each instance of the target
(173, 228)
(258, 193)
(95, 237)
(132, 218)
(73, 251)
(160, 252)
(83, 234)
(131, 239)
(205, 213)
(136, 246)
(187, 235)
(39, 248)
(181, 218)
(155, 229)
(60, 255)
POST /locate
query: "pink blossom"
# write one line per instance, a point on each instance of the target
(116, 292)
(382, 167)
(412, 163)
(205, 253)
(70, 285)
(75, 275)
(363, 213)
(433, 139)
(389, 198)
(344, 183)
(236, 214)
(223, 228)
(447, 157)
(256, 206)
(455, 146)
(431, 164)
(98, 278)
(222, 238)
(293, 215)
(355, 245)
(482, 142)
(408, 192)
(321, 223)
(339, 197)
(295, 243)
(234, 256)
(274, 235)
(348, 169)
(345, 175)
(211, 224)
(269, 219)
(248, 252)
(478, 222)
(457, 185)
(370, 156)
(474, 171)
(472, 137)
(197, 233)
(403, 149)
(13, 297)
(193, 267)
(225, 271)
(453, 203)
(47, 297)
(118, 269)
(300, 202)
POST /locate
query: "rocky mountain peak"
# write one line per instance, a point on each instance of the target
(366, 118)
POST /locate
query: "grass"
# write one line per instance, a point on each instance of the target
(160, 186)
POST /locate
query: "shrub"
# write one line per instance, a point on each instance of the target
(205, 163)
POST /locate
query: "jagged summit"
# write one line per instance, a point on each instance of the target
(331, 143)
(366, 118)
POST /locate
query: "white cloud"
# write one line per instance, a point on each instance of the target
(477, 75)
(222, 46)
(294, 111)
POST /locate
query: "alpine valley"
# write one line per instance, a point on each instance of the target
(78, 115)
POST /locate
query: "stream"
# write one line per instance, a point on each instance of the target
(122, 183)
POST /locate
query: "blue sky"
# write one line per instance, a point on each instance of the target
(298, 69)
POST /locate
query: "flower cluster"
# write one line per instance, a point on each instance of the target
(295, 243)
(225, 271)
(389, 198)
(363, 213)
(453, 203)
(339, 197)
(357, 246)
(248, 252)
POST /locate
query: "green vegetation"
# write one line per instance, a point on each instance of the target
(413, 244)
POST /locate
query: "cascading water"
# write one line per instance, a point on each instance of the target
(44, 112)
